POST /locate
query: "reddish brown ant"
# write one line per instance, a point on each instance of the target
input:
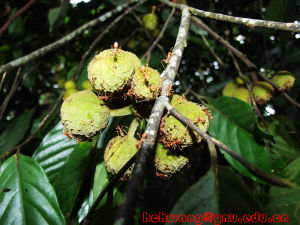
(158, 174)
(170, 90)
(120, 131)
(202, 120)
(68, 135)
(208, 113)
(140, 142)
(167, 60)
(143, 70)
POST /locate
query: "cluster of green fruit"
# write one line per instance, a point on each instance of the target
(71, 88)
(262, 91)
(116, 74)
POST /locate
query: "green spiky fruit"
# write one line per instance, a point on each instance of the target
(118, 151)
(229, 89)
(239, 80)
(70, 85)
(174, 133)
(263, 92)
(242, 94)
(84, 115)
(111, 70)
(146, 83)
(69, 92)
(134, 59)
(166, 162)
(150, 20)
(86, 85)
(284, 79)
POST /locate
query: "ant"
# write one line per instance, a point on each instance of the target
(120, 131)
(202, 120)
(130, 92)
(170, 90)
(140, 142)
(68, 135)
(167, 60)
(102, 97)
(143, 70)
(115, 49)
(208, 113)
(158, 174)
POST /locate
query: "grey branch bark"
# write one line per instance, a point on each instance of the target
(251, 23)
(125, 212)
(48, 48)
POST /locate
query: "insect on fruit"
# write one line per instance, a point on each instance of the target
(68, 135)
(201, 120)
(143, 70)
(208, 113)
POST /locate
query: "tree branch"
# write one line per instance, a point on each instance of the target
(242, 57)
(124, 214)
(15, 16)
(251, 23)
(253, 169)
(48, 48)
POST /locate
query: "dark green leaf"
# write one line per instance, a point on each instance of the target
(54, 151)
(233, 124)
(15, 132)
(65, 163)
(56, 15)
(286, 200)
(292, 171)
(31, 198)
(224, 192)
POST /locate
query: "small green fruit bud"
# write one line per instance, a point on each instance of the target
(167, 162)
(263, 92)
(61, 82)
(84, 115)
(118, 151)
(69, 92)
(150, 20)
(240, 81)
(70, 85)
(242, 94)
(229, 89)
(284, 79)
(146, 83)
(86, 85)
